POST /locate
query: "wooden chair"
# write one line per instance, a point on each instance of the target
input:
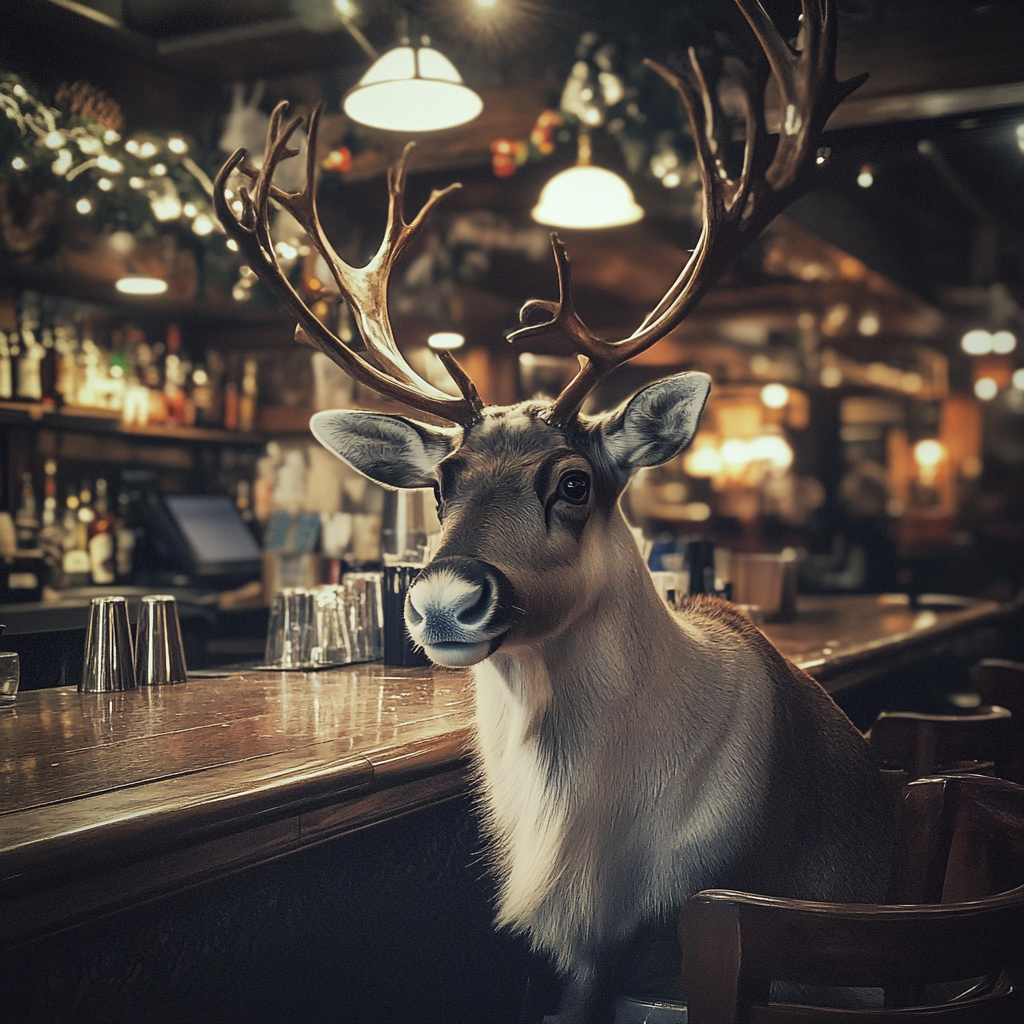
(962, 838)
(924, 744)
(1002, 682)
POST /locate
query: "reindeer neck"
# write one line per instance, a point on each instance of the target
(625, 631)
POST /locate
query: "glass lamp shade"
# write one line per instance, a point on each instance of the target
(412, 90)
(587, 197)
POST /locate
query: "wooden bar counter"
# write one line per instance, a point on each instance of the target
(108, 801)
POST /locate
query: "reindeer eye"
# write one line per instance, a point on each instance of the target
(574, 487)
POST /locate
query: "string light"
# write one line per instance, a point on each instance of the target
(18, 164)
(83, 206)
(177, 145)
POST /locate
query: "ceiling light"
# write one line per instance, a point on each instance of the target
(586, 197)
(446, 340)
(977, 342)
(412, 89)
(135, 284)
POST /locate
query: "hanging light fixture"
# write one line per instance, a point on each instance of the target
(412, 89)
(586, 197)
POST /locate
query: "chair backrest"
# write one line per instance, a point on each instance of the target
(735, 945)
(1002, 682)
(924, 744)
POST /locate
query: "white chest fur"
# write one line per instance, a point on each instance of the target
(527, 816)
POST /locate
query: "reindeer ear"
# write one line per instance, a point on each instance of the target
(658, 422)
(390, 450)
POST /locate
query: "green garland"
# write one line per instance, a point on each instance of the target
(144, 184)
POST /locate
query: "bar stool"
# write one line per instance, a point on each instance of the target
(956, 961)
(1002, 682)
(925, 744)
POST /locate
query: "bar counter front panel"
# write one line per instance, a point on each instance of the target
(111, 801)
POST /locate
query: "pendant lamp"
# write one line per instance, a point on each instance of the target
(586, 197)
(412, 89)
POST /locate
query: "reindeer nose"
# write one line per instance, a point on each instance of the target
(458, 600)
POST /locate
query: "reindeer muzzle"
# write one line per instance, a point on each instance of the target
(459, 610)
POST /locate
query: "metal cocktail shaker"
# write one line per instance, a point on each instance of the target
(109, 664)
(159, 651)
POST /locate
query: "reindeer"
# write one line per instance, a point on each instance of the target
(629, 756)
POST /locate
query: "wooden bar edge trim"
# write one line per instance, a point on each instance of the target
(44, 913)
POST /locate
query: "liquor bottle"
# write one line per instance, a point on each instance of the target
(101, 539)
(204, 400)
(51, 535)
(6, 369)
(48, 368)
(26, 519)
(28, 387)
(230, 405)
(75, 561)
(247, 400)
(125, 536)
(173, 376)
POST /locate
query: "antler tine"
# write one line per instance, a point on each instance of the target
(365, 289)
(736, 209)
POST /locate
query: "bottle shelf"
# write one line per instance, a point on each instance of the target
(108, 421)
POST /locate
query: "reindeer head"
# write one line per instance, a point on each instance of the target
(531, 491)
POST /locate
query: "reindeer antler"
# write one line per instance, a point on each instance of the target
(736, 209)
(364, 288)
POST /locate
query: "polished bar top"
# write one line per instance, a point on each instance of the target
(185, 782)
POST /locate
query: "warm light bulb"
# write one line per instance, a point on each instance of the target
(446, 340)
(774, 396)
(203, 225)
(977, 342)
(136, 182)
(177, 145)
(986, 388)
(869, 323)
(703, 462)
(104, 184)
(866, 178)
(928, 454)
(109, 164)
(1018, 379)
(1004, 342)
(18, 164)
(586, 197)
(135, 284)
(83, 205)
(735, 452)
(146, 150)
